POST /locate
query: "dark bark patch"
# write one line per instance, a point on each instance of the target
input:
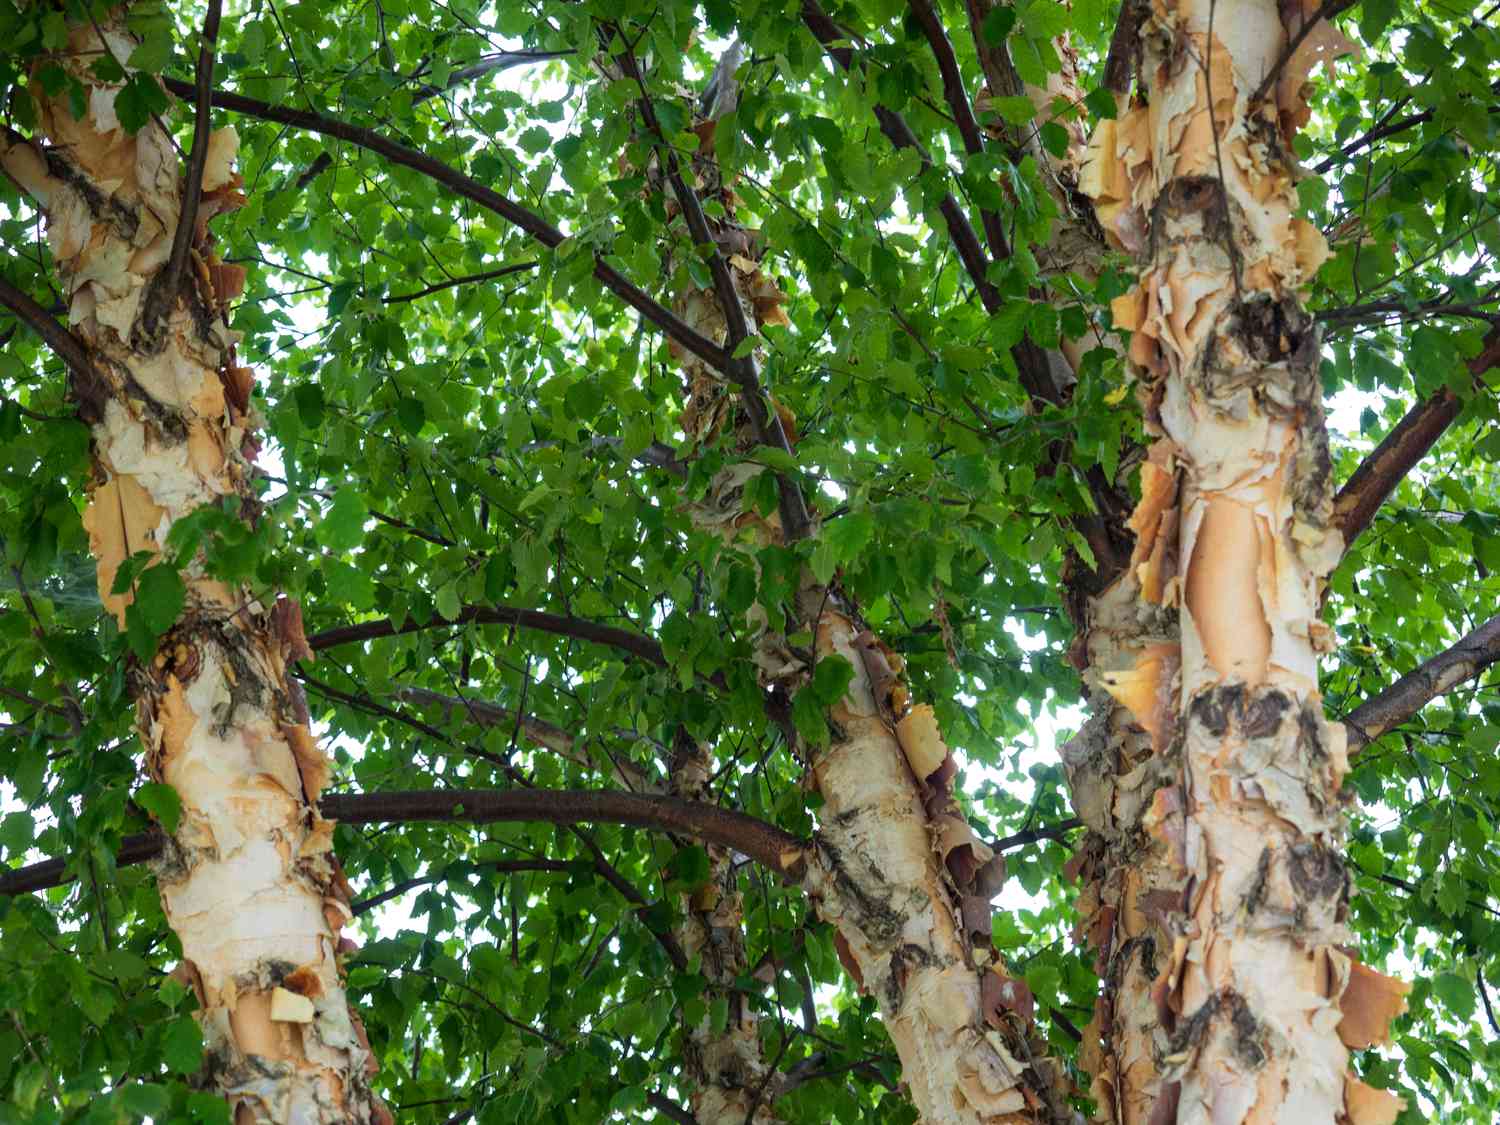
(1215, 708)
(1310, 736)
(1316, 872)
(1263, 712)
(1257, 893)
(1276, 331)
(1247, 1040)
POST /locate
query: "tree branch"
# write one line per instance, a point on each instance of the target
(544, 734)
(894, 126)
(1032, 835)
(487, 275)
(641, 647)
(1413, 691)
(1124, 45)
(668, 1108)
(1326, 11)
(957, 97)
(501, 866)
(782, 852)
(1408, 442)
(533, 225)
(68, 347)
(166, 283)
(501, 60)
(795, 521)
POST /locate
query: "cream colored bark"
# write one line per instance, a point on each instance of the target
(1255, 1002)
(896, 868)
(248, 882)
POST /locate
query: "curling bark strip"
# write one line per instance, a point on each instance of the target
(248, 879)
(895, 867)
(1254, 1001)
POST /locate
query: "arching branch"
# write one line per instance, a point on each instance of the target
(455, 181)
(163, 291)
(68, 347)
(1386, 467)
(776, 849)
(1419, 687)
(957, 97)
(643, 648)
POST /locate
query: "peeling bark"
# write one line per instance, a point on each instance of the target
(731, 1083)
(895, 868)
(248, 881)
(1240, 892)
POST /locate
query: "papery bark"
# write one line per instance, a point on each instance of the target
(731, 1083)
(896, 868)
(1235, 907)
(249, 882)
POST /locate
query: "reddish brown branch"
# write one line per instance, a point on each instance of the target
(68, 347)
(1386, 467)
(1447, 670)
(530, 223)
(894, 126)
(486, 275)
(644, 648)
(164, 287)
(1327, 11)
(957, 97)
(763, 842)
(502, 866)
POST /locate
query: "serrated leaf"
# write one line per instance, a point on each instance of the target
(159, 597)
(162, 802)
(343, 525)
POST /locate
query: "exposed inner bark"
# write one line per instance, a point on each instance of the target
(248, 881)
(1252, 1000)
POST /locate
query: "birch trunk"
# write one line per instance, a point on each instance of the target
(248, 881)
(896, 868)
(1242, 892)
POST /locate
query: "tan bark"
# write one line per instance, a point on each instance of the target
(1256, 1000)
(896, 868)
(249, 882)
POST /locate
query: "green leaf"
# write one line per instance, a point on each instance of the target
(182, 1045)
(412, 414)
(145, 1099)
(831, 679)
(159, 597)
(1456, 993)
(535, 140)
(997, 24)
(343, 525)
(448, 602)
(137, 101)
(849, 535)
(162, 802)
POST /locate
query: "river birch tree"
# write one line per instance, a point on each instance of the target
(749, 563)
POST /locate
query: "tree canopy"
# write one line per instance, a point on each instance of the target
(463, 267)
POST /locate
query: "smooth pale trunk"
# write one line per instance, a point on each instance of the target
(248, 880)
(1256, 1000)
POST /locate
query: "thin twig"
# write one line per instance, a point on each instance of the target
(1327, 11)
(164, 286)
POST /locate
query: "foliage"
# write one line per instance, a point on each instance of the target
(442, 439)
